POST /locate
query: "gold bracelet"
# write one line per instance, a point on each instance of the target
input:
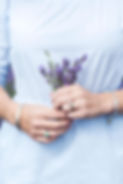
(18, 115)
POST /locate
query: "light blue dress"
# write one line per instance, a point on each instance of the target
(91, 152)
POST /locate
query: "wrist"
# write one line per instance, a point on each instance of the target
(106, 103)
(10, 111)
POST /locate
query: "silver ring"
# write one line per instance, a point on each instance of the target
(46, 134)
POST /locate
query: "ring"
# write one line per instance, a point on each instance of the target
(69, 107)
(46, 134)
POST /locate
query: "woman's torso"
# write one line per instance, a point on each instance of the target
(68, 29)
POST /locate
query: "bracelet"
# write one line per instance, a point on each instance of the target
(115, 108)
(115, 103)
(18, 115)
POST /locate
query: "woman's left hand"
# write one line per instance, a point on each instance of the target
(80, 103)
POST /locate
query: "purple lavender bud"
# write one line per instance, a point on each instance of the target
(10, 75)
(66, 63)
(62, 74)
(69, 77)
(80, 60)
(83, 58)
(10, 81)
(59, 72)
(121, 84)
(43, 71)
(51, 73)
(76, 68)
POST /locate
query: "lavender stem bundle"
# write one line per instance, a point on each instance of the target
(64, 73)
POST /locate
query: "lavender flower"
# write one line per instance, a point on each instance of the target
(43, 71)
(10, 81)
(58, 75)
(66, 63)
(121, 84)
(10, 75)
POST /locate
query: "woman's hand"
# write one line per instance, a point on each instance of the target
(36, 120)
(79, 103)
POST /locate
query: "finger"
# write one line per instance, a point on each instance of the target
(63, 90)
(43, 140)
(52, 114)
(81, 103)
(51, 133)
(66, 98)
(51, 124)
(59, 102)
(67, 90)
(76, 104)
(78, 114)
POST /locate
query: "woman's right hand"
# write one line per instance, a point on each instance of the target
(36, 120)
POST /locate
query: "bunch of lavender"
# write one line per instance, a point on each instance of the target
(10, 82)
(58, 75)
(121, 84)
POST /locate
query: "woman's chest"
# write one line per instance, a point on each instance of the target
(68, 29)
(63, 23)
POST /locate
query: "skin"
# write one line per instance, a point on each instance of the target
(35, 119)
(86, 104)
